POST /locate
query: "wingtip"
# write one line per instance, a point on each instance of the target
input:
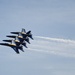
(7, 36)
(17, 53)
(32, 38)
(11, 32)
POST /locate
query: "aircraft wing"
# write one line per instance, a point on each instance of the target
(5, 44)
(14, 36)
(16, 50)
(11, 36)
(15, 32)
(23, 31)
(7, 40)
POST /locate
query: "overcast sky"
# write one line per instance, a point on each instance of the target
(54, 20)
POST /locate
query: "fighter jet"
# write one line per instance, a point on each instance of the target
(14, 46)
(20, 37)
(24, 33)
(17, 41)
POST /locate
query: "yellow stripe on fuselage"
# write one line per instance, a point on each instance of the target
(16, 41)
(23, 33)
(13, 44)
(20, 36)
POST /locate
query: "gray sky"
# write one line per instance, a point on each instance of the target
(45, 18)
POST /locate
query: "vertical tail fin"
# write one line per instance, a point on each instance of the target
(23, 30)
(13, 42)
(20, 35)
(16, 38)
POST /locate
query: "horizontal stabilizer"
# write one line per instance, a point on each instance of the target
(28, 32)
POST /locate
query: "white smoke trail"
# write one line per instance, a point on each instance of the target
(56, 39)
(53, 46)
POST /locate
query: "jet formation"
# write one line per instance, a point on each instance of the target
(19, 40)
